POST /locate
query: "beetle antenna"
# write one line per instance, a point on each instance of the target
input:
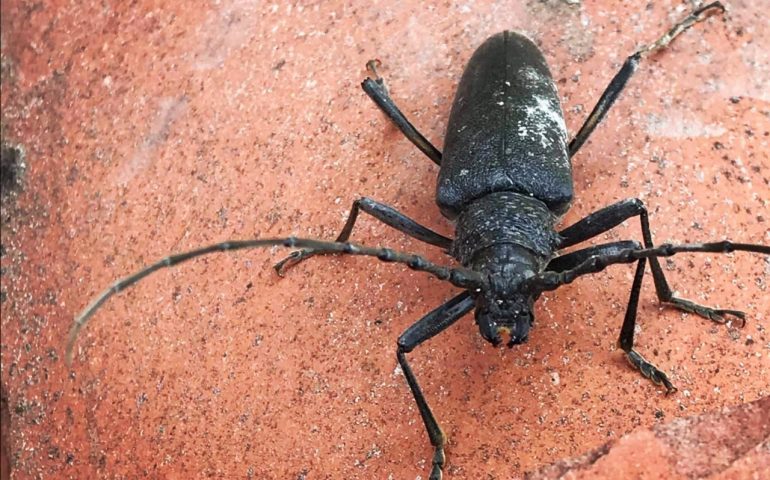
(459, 277)
(552, 280)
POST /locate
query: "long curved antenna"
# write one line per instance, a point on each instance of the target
(552, 280)
(460, 277)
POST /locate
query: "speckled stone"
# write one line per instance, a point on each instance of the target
(733, 443)
(148, 128)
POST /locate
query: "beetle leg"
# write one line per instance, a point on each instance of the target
(611, 216)
(619, 81)
(551, 280)
(381, 212)
(427, 327)
(375, 88)
(626, 340)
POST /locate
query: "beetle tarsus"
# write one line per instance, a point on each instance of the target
(372, 66)
(714, 314)
(439, 459)
(650, 371)
(697, 16)
(292, 259)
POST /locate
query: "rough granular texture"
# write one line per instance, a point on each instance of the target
(149, 130)
(731, 443)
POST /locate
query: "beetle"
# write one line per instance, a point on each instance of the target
(505, 179)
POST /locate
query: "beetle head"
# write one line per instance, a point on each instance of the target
(504, 310)
(504, 303)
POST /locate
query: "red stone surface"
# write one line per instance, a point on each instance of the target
(729, 444)
(156, 127)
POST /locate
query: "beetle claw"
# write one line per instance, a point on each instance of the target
(293, 258)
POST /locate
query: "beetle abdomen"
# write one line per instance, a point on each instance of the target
(506, 130)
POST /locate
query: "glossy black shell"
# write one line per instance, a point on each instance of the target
(506, 130)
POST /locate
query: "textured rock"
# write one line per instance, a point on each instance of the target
(149, 127)
(728, 444)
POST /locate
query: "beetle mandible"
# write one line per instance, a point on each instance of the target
(506, 179)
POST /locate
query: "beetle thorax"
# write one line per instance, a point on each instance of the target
(505, 218)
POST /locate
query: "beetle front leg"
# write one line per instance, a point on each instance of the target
(375, 88)
(384, 213)
(626, 339)
(611, 216)
(427, 327)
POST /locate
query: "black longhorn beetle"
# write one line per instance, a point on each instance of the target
(505, 178)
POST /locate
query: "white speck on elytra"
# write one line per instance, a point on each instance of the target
(532, 76)
(552, 112)
(542, 117)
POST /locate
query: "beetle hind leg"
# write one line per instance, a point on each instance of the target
(375, 88)
(620, 79)
(384, 213)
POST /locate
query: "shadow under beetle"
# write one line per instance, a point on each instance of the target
(506, 179)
